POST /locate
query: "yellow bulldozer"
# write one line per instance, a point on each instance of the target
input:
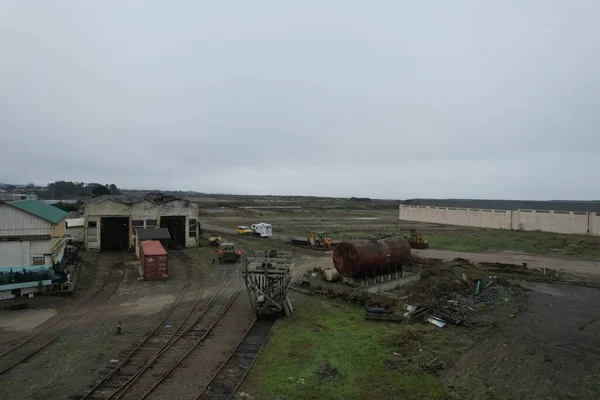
(416, 240)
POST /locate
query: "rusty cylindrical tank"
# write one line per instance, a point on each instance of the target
(357, 257)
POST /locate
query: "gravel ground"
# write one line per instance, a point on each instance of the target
(56, 372)
(195, 372)
(48, 308)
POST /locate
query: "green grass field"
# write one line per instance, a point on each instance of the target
(362, 351)
(477, 241)
(587, 247)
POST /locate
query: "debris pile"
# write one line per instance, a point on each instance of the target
(448, 292)
(494, 292)
(313, 272)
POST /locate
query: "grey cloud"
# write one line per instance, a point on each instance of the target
(393, 100)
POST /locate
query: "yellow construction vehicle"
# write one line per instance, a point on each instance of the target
(416, 240)
(214, 240)
(318, 239)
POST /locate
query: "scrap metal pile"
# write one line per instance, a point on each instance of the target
(448, 292)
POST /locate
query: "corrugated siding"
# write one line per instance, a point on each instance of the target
(22, 253)
(14, 254)
(14, 222)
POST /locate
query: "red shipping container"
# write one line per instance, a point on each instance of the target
(153, 259)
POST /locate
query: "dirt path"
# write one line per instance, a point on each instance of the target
(533, 261)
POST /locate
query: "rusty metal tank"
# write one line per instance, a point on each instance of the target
(358, 257)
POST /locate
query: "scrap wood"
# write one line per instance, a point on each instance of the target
(433, 365)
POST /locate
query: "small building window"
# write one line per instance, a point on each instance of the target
(151, 223)
(92, 231)
(193, 228)
(137, 224)
(39, 260)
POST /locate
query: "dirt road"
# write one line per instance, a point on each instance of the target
(533, 261)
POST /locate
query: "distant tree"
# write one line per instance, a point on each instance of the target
(64, 189)
(100, 190)
(360, 199)
(114, 189)
(69, 206)
(30, 186)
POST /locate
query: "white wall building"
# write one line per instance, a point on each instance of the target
(111, 220)
(31, 241)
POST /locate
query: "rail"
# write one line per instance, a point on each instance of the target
(186, 261)
(28, 355)
(230, 301)
(228, 378)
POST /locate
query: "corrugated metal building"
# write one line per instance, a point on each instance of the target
(111, 221)
(32, 240)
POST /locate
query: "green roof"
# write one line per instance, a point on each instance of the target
(40, 209)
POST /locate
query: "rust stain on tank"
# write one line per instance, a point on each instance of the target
(357, 257)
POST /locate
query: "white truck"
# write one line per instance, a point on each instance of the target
(262, 229)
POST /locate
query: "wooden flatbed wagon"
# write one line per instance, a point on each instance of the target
(268, 276)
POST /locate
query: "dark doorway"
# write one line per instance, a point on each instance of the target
(176, 227)
(114, 233)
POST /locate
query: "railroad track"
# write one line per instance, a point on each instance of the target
(200, 332)
(48, 335)
(160, 353)
(117, 376)
(226, 381)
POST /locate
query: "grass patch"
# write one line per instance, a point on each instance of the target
(542, 243)
(360, 351)
(584, 247)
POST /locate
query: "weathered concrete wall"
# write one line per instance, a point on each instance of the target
(498, 219)
(145, 214)
(527, 220)
(595, 224)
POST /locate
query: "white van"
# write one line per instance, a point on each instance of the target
(262, 229)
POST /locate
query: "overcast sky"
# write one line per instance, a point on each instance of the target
(391, 99)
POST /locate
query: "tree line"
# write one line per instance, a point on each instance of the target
(66, 189)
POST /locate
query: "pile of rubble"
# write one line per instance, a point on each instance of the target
(447, 294)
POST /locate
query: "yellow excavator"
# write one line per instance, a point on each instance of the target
(318, 239)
